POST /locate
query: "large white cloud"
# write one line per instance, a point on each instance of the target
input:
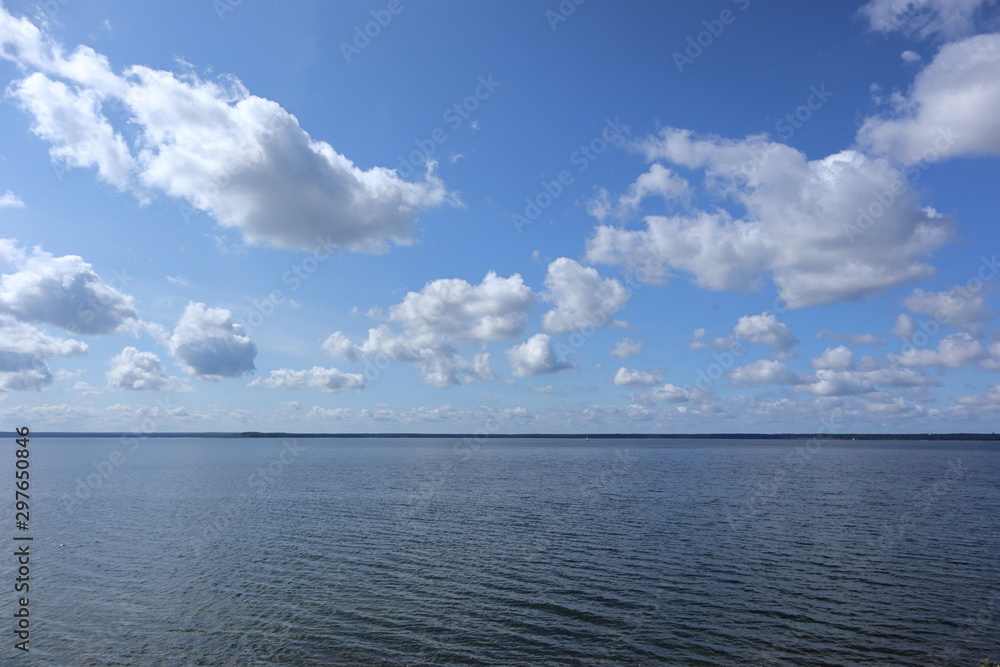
(495, 309)
(330, 380)
(581, 297)
(238, 157)
(135, 370)
(62, 291)
(209, 344)
(951, 109)
(535, 356)
(954, 351)
(827, 230)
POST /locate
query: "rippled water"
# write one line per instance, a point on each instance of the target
(515, 552)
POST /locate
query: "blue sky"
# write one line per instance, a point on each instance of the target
(518, 217)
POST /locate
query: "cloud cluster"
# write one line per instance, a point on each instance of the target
(329, 380)
(135, 370)
(23, 351)
(240, 158)
(795, 228)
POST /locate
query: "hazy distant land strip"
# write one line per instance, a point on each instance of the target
(594, 436)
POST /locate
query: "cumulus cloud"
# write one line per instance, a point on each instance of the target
(535, 356)
(496, 309)
(958, 306)
(950, 110)
(209, 344)
(765, 329)
(764, 371)
(803, 226)
(625, 348)
(62, 291)
(329, 380)
(444, 314)
(635, 378)
(838, 358)
(437, 358)
(954, 351)
(581, 297)
(135, 370)
(23, 351)
(668, 393)
(240, 158)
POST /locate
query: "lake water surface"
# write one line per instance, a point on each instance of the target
(194, 551)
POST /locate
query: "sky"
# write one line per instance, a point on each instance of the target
(517, 217)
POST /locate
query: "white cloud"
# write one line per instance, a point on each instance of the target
(581, 297)
(954, 351)
(238, 157)
(437, 358)
(950, 110)
(209, 344)
(132, 369)
(23, 350)
(668, 393)
(625, 348)
(764, 371)
(496, 309)
(923, 18)
(535, 356)
(63, 291)
(635, 378)
(801, 229)
(987, 400)
(71, 120)
(904, 326)
(838, 358)
(658, 181)
(765, 329)
(837, 383)
(957, 306)
(10, 200)
(330, 380)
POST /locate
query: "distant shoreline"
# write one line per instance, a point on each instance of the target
(983, 437)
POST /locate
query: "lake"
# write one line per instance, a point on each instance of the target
(393, 551)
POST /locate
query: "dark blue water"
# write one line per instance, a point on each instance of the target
(512, 552)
